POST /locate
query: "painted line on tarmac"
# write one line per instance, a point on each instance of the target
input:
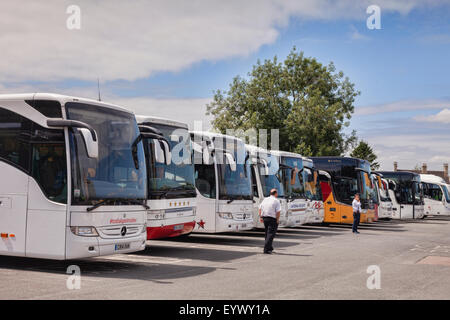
(209, 246)
(147, 259)
(243, 238)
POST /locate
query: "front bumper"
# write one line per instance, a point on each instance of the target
(232, 225)
(83, 247)
(169, 231)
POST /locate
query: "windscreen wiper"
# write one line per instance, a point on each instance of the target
(106, 201)
(98, 204)
(163, 193)
(231, 199)
(134, 151)
(138, 202)
(183, 187)
(160, 193)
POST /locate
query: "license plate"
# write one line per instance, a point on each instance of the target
(122, 246)
(297, 221)
(178, 227)
(244, 225)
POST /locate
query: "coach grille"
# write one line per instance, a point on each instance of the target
(116, 231)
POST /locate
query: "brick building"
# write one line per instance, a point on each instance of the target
(442, 174)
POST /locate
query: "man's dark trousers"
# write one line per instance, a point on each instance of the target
(271, 226)
(356, 218)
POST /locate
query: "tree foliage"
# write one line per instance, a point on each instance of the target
(311, 104)
(364, 151)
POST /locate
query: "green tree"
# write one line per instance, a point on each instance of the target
(364, 151)
(311, 104)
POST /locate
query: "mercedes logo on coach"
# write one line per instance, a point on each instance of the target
(123, 231)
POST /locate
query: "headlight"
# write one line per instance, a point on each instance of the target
(194, 210)
(144, 228)
(226, 215)
(155, 214)
(84, 231)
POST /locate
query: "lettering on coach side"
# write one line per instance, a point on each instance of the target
(121, 221)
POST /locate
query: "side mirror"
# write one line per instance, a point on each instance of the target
(278, 174)
(162, 154)
(207, 158)
(266, 167)
(91, 145)
(367, 180)
(230, 160)
(87, 132)
(167, 153)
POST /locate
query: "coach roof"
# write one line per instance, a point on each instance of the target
(63, 99)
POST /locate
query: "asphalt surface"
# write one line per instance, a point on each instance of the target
(311, 262)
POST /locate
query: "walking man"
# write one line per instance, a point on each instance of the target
(356, 204)
(269, 212)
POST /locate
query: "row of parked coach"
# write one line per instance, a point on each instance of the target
(82, 178)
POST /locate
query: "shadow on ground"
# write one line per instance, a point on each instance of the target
(104, 268)
(213, 255)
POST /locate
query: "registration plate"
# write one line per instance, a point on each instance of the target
(122, 246)
(178, 227)
(244, 225)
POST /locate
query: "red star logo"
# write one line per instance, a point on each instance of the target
(201, 224)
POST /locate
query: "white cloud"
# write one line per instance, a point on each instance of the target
(82, 92)
(403, 105)
(132, 40)
(398, 136)
(356, 35)
(411, 149)
(436, 38)
(441, 117)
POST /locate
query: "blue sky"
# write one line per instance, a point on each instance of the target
(166, 59)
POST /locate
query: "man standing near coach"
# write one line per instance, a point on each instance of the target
(356, 205)
(269, 212)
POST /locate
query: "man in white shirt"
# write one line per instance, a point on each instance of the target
(356, 205)
(269, 212)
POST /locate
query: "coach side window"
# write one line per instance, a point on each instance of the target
(38, 151)
(49, 164)
(433, 191)
(14, 140)
(205, 180)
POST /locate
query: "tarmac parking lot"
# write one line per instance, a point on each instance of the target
(310, 262)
